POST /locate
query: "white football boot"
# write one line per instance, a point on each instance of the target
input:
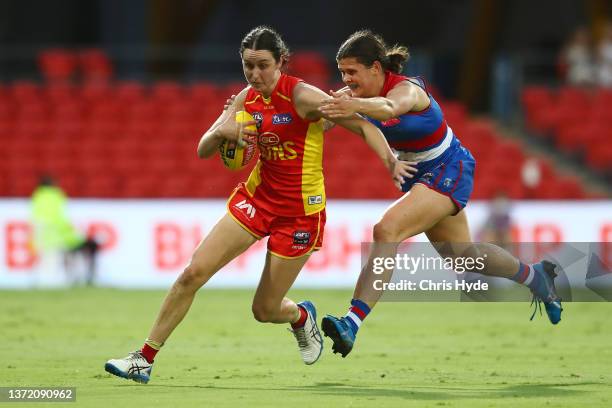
(133, 367)
(308, 336)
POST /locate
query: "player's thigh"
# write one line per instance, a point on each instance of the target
(413, 214)
(452, 228)
(276, 279)
(225, 242)
(451, 236)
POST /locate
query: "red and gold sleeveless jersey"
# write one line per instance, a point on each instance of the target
(288, 178)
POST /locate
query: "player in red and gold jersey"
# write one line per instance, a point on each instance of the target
(283, 198)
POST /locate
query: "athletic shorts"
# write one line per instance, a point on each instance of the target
(451, 175)
(290, 237)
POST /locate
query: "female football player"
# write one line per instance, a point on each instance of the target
(414, 125)
(283, 198)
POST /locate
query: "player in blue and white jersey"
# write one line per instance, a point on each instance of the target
(414, 125)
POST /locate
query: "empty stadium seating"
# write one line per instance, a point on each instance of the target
(127, 139)
(577, 121)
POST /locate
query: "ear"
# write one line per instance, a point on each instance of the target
(377, 67)
(283, 62)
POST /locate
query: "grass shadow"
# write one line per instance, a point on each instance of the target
(556, 390)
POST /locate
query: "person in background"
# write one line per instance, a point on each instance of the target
(497, 228)
(54, 234)
(577, 61)
(604, 57)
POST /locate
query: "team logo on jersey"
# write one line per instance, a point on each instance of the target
(243, 205)
(426, 178)
(301, 237)
(281, 119)
(271, 147)
(258, 118)
(269, 139)
(447, 182)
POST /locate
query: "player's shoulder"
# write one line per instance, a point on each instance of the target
(304, 90)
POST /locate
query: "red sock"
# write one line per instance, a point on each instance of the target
(148, 352)
(302, 320)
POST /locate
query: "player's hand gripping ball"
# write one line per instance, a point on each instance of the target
(234, 156)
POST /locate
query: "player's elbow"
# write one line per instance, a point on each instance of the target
(388, 111)
(202, 153)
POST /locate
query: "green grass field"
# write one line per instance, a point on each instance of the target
(407, 355)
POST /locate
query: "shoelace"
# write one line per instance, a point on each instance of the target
(300, 335)
(538, 306)
(135, 355)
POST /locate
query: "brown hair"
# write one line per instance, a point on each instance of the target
(266, 38)
(368, 47)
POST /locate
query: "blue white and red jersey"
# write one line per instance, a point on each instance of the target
(425, 137)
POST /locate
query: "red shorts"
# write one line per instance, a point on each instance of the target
(290, 237)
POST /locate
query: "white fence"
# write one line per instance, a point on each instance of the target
(147, 243)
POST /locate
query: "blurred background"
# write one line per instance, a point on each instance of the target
(110, 97)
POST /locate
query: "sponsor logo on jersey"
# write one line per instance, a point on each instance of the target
(313, 200)
(281, 119)
(301, 237)
(243, 205)
(447, 182)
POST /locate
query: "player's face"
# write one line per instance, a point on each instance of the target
(261, 70)
(361, 80)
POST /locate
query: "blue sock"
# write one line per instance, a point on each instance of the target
(357, 313)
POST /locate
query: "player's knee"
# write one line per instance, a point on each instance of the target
(262, 313)
(386, 231)
(193, 276)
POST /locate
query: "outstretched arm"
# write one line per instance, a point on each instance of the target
(307, 99)
(403, 98)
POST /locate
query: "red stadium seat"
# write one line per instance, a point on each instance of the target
(168, 91)
(130, 91)
(96, 90)
(146, 111)
(203, 93)
(599, 156)
(312, 67)
(60, 92)
(95, 65)
(33, 112)
(231, 88)
(25, 91)
(100, 186)
(57, 64)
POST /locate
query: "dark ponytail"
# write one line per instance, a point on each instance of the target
(368, 47)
